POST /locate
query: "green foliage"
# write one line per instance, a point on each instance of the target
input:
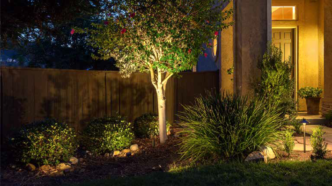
(44, 142)
(157, 35)
(317, 143)
(276, 86)
(146, 126)
(228, 127)
(297, 126)
(24, 20)
(107, 134)
(310, 92)
(232, 174)
(289, 142)
(328, 117)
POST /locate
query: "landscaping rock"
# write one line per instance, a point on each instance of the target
(116, 153)
(134, 148)
(125, 151)
(268, 152)
(255, 157)
(63, 166)
(73, 160)
(45, 168)
(31, 167)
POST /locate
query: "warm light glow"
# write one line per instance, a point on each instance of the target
(215, 46)
(283, 13)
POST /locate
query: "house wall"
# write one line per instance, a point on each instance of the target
(327, 101)
(309, 44)
(244, 44)
(227, 55)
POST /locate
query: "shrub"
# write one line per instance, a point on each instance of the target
(310, 92)
(297, 126)
(228, 127)
(107, 134)
(276, 85)
(317, 143)
(44, 142)
(328, 117)
(289, 142)
(147, 125)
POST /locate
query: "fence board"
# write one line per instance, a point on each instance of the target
(77, 96)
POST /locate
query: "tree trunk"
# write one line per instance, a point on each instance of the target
(162, 114)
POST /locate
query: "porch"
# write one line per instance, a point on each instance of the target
(302, 29)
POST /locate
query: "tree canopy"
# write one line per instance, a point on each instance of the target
(31, 19)
(161, 37)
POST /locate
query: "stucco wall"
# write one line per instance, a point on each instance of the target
(309, 42)
(252, 32)
(327, 101)
(227, 55)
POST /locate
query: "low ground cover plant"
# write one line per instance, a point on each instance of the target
(317, 143)
(283, 173)
(147, 126)
(297, 126)
(289, 142)
(225, 127)
(104, 135)
(43, 143)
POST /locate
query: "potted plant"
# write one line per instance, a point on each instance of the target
(312, 96)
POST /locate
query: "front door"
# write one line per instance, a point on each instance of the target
(284, 40)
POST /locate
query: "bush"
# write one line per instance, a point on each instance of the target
(276, 85)
(289, 142)
(317, 143)
(104, 135)
(228, 127)
(310, 92)
(147, 125)
(328, 117)
(44, 142)
(297, 126)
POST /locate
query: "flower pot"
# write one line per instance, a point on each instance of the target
(313, 106)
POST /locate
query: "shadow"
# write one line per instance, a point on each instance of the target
(13, 113)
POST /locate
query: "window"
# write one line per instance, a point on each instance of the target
(283, 13)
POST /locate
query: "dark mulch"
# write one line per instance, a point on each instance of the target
(149, 159)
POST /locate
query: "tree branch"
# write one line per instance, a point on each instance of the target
(152, 77)
(167, 78)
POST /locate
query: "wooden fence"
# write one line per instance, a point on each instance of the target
(76, 96)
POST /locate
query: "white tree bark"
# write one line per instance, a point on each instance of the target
(162, 114)
(159, 81)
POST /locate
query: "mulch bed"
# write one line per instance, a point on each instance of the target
(298, 156)
(148, 159)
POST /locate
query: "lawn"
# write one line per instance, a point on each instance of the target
(283, 173)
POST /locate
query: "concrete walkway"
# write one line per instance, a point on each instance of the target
(309, 130)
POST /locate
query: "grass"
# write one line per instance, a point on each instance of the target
(284, 173)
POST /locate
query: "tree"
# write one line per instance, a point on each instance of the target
(30, 19)
(161, 37)
(63, 50)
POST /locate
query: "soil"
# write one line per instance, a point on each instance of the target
(298, 156)
(148, 159)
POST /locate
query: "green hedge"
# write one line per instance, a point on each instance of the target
(104, 135)
(43, 142)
